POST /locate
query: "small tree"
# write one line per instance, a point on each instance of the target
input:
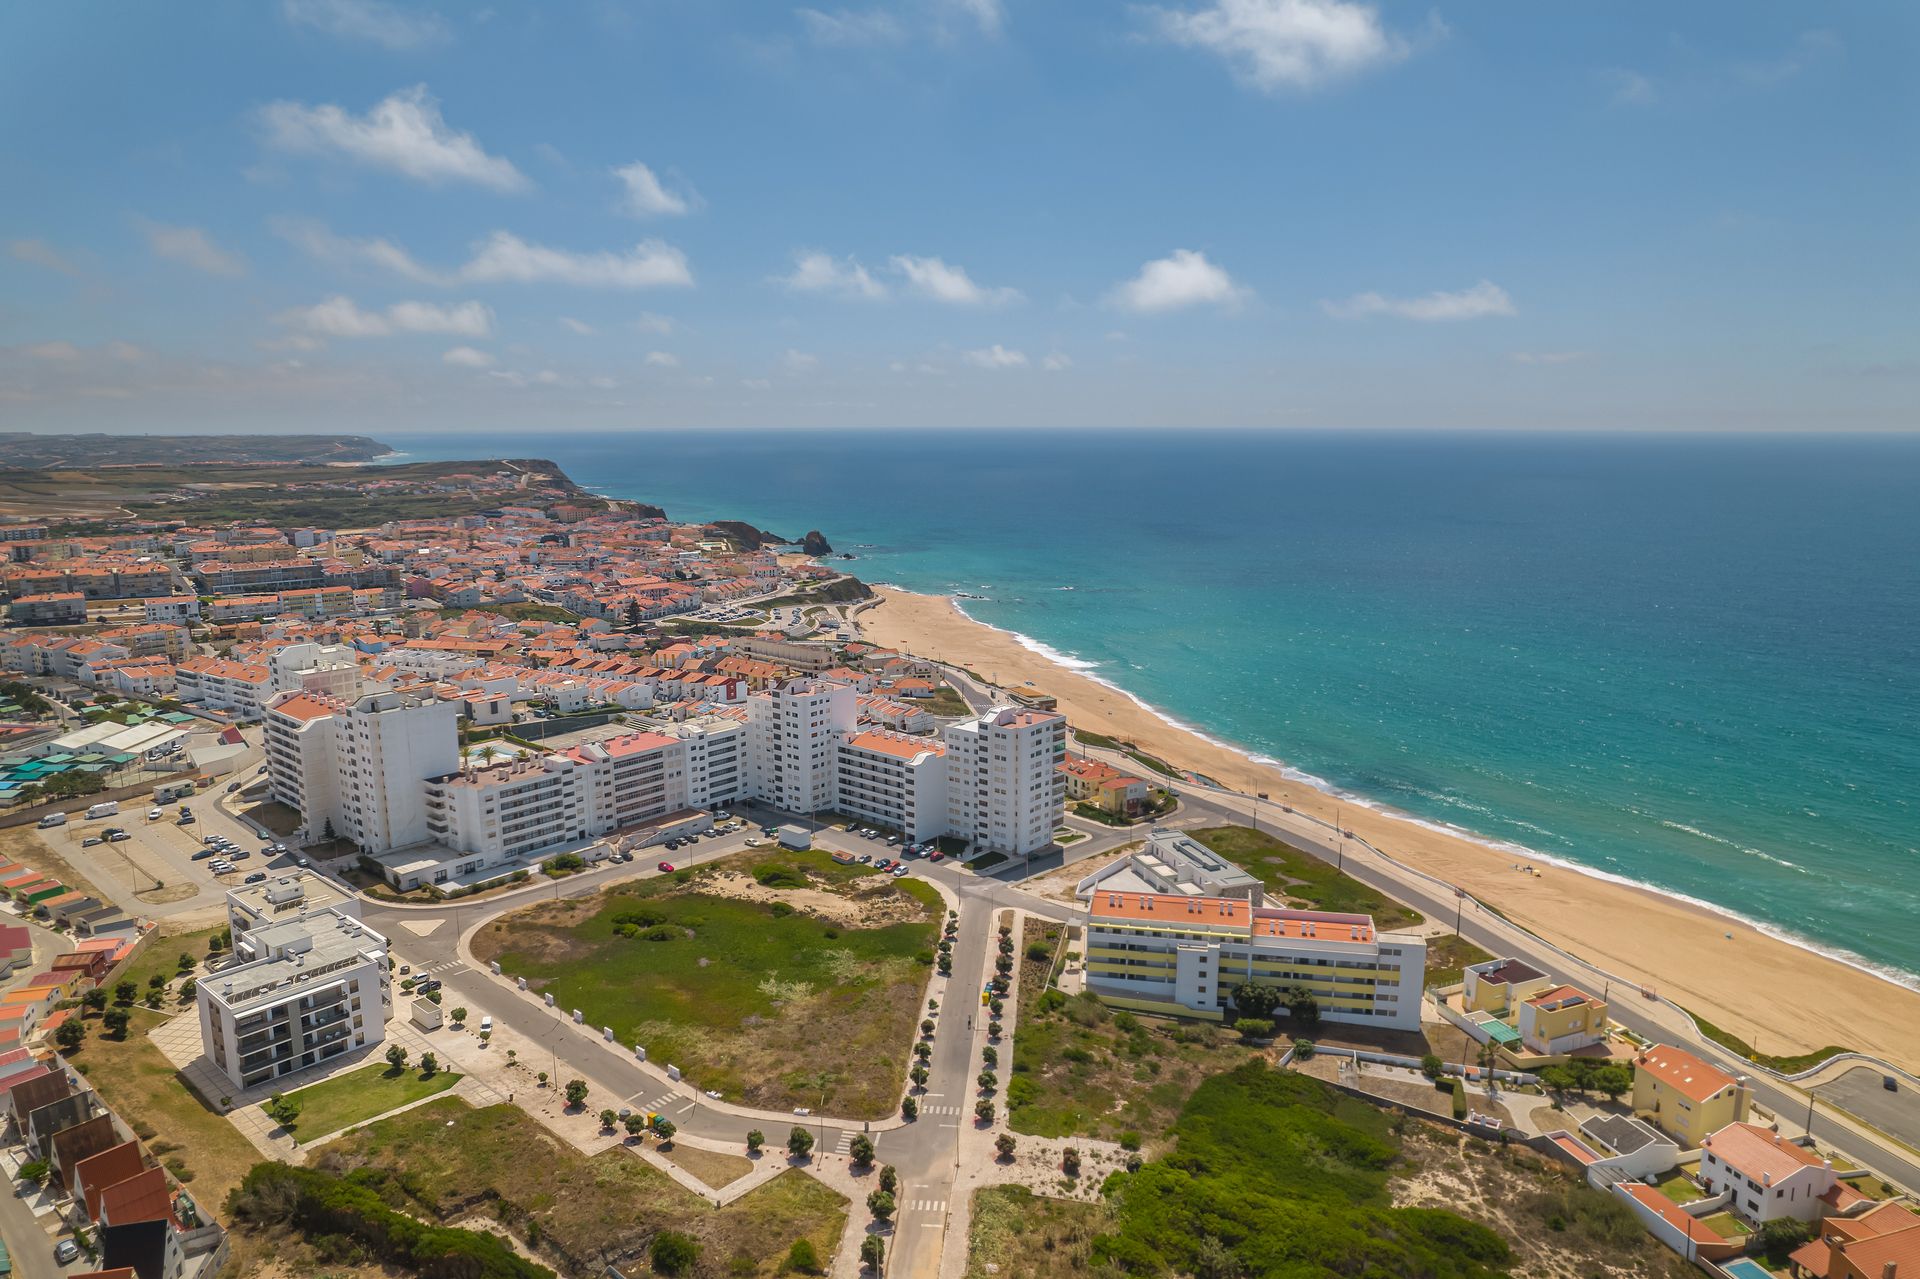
(1613, 1081)
(1302, 1049)
(125, 992)
(35, 1172)
(282, 1109)
(189, 990)
(1254, 1027)
(608, 1118)
(71, 1035)
(983, 1111)
(1302, 1007)
(987, 1080)
(799, 1142)
(185, 962)
(1004, 1143)
(429, 1065)
(926, 1025)
(802, 1258)
(542, 1076)
(919, 1075)
(635, 1124)
(663, 1130)
(1431, 1065)
(397, 1057)
(890, 1179)
(576, 1093)
(116, 1020)
(1070, 1161)
(873, 1253)
(923, 1050)
(990, 1056)
(993, 1029)
(673, 1253)
(459, 1015)
(1251, 999)
(1779, 1237)
(880, 1204)
(861, 1150)
(909, 1108)
(755, 1140)
(95, 999)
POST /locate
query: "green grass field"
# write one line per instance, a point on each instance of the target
(1285, 870)
(1082, 1070)
(447, 1158)
(360, 1095)
(774, 1006)
(1448, 957)
(1021, 1235)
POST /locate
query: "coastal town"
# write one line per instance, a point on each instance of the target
(547, 886)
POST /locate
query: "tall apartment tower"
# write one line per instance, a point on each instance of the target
(796, 731)
(1005, 791)
(361, 765)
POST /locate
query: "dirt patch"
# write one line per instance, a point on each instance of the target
(867, 903)
(170, 893)
(1058, 885)
(1559, 1229)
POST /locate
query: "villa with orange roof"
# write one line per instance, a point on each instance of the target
(1683, 1096)
(1767, 1175)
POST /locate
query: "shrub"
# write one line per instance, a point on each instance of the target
(673, 1253)
(880, 1204)
(1254, 1027)
(909, 1108)
(803, 1258)
(755, 1140)
(1431, 1066)
(1459, 1098)
(1005, 1145)
(1302, 1049)
(799, 1142)
(860, 1151)
(576, 1092)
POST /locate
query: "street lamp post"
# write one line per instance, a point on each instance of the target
(1459, 904)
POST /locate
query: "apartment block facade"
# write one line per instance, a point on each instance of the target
(1005, 791)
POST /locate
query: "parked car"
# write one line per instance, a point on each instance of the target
(892, 840)
(935, 855)
(114, 837)
(899, 870)
(232, 787)
(428, 986)
(91, 840)
(201, 854)
(258, 876)
(154, 814)
(486, 1024)
(185, 818)
(866, 859)
(239, 855)
(279, 850)
(666, 867)
(66, 1251)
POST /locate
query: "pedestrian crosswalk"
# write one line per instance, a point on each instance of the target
(441, 966)
(925, 1205)
(939, 1110)
(845, 1143)
(658, 1104)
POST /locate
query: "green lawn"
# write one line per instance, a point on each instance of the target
(1284, 869)
(1022, 1235)
(1727, 1226)
(1081, 1070)
(1680, 1189)
(768, 1005)
(446, 1158)
(360, 1095)
(161, 957)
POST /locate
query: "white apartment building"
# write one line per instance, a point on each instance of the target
(332, 669)
(317, 989)
(361, 765)
(1005, 792)
(289, 895)
(506, 811)
(896, 780)
(793, 734)
(219, 684)
(1179, 955)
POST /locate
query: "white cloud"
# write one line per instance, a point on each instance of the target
(997, 357)
(1630, 88)
(339, 317)
(648, 322)
(193, 247)
(662, 360)
(799, 361)
(505, 257)
(404, 134)
(315, 239)
(756, 383)
(1183, 279)
(467, 358)
(40, 253)
(847, 27)
(578, 327)
(547, 377)
(647, 198)
(61, 351)
(988, 14)
(1548, 357)
(933, 278)
(291, 342)
(1286, 44)
(602, 383)
(368, 20)
(126, 351)
(1482, 300)
(1055, 362)
(816, 272)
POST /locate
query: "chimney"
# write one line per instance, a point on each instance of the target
(1891, 1269)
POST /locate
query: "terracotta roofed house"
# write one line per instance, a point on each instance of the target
(1768, 1176)
(1683, 1096)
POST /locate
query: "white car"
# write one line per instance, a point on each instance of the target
(486, 1024)
(154, 814)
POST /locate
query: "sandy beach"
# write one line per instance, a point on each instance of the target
(1778, 996)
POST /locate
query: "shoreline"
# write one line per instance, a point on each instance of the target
(1780, 993)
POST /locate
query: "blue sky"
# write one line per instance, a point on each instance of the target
(364, 216)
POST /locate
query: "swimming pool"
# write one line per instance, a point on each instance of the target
(1746, 1268)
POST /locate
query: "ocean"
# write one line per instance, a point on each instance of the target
(1690, 662)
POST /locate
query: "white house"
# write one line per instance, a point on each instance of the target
(1767, 1175)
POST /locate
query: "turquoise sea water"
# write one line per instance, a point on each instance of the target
(1690, 662)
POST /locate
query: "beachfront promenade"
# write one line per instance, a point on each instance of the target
(1895, 1154)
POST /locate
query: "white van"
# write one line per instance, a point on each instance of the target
(52, 819)
(107, 809)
